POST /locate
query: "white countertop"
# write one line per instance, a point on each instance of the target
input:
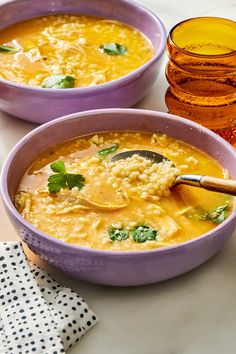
(192, 314)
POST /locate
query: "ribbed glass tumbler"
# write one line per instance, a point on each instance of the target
(202, 73)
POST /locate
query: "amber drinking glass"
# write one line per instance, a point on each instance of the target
(202, 73)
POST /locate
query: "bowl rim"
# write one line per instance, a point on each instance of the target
(89, 89)
(71, 247)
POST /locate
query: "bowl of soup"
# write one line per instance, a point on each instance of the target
(62, 57)
(119, 222)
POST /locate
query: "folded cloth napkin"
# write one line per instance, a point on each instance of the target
(37, 315)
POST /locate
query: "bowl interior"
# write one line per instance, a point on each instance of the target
(120, 10)
(65, 128)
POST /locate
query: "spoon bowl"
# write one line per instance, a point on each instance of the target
(147, 154)
(213, 184)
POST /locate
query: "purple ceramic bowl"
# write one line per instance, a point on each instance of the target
(114, 267)
(42, 105)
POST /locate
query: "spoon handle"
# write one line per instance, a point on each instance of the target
(227, 186)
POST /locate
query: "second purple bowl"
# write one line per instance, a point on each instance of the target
(42, 105)
(115, 267)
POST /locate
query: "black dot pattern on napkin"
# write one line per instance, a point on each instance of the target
(36, 313)
(21, 304)
(71, 313)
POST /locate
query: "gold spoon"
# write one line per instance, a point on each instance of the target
(220, 185)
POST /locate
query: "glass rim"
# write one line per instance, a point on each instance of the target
(170, 38)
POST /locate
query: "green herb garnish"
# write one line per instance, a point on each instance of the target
(113, 49)
(217, 216)
(116, 234)
(62, 180)
(58, 166)
(144, 233)
(59, 81)
(8, 49)
(104, 152)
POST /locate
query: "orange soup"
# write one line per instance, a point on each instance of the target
(64, 51)
(75, 193)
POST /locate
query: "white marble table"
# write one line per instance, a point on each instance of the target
(192, 314)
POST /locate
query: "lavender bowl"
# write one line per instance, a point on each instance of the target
(110, 267)
(42, 105)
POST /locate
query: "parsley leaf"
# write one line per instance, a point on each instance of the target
(104, 152)
(62, 179)
(74, 180)
(58, 166)
(217, 216)
(113, 49)
(59, 179)
(140, 234)
(59, 81)
(116, 234)
(54, 188)
(144, 233)
(8, 49)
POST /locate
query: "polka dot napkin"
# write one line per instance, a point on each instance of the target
(37, 315)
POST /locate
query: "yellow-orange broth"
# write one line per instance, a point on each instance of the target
(137, 192)
(70, 45)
